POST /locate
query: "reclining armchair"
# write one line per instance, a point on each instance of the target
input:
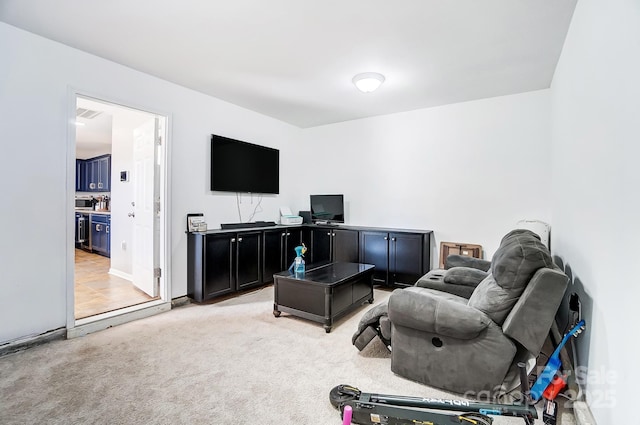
(461, 345)
(460, 276)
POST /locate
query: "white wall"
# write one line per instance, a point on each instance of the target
(468, 171)
(35, 74)
(595, 130)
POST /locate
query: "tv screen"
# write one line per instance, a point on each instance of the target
(238, 166)
(327, 208)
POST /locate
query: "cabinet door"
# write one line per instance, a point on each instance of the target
(273, 248)
(320, 245)
(99, 236)
(103, 169)
(374, 249)
(248, 249)
(345, 245)
(108, 236)
(218, 261)
(79, 175)
(91, 175)
(405, 258)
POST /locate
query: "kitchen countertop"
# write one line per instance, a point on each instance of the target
(80, 210)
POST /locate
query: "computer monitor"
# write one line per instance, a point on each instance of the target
(327, 208)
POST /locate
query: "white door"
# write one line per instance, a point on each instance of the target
(144, 212)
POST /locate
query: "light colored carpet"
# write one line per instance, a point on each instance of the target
(231, 362)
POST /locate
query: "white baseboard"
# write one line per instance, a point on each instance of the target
(583, 414)
(123, 275)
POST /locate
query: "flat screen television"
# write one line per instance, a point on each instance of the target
(327, 208)
(238, 166)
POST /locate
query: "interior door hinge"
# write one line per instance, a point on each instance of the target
(157, 207)
(157, 273)
(159, 140)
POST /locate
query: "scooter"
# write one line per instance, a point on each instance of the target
(381, 409)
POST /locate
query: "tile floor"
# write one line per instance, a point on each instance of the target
(96, 291)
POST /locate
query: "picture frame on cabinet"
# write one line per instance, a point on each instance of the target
(196, 222)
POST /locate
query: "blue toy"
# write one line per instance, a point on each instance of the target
(298, 263)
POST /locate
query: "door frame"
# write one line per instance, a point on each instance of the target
(105, 320)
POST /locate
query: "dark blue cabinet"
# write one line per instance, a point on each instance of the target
(101, 234)
(80, 174)
(94, 174)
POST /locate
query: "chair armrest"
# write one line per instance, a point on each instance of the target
(455, 260)
(464, 276)
(436, 312)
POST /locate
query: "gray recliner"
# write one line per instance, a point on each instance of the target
(460, 276)
(472, 345)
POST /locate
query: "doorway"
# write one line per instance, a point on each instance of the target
(120, 186)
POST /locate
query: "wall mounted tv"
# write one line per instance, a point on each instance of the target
(327, 208)
(238, 166)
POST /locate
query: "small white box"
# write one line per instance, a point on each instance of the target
(290, 219)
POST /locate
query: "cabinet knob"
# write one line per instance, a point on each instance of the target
(328, 234)
(386, 238)
(233, 239)
(239, 239)
(283, 235)
(288, 234)
(393, 239)
(131, 214)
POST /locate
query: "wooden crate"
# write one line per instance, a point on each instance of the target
(448, 248)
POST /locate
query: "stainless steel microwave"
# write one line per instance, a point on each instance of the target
(84, 203)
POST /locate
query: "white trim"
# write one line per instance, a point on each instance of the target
(118, 317)
(583, 414)
(103, 321)
(121, 275)
(70, 202)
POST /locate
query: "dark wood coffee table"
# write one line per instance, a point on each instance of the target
(323, 293)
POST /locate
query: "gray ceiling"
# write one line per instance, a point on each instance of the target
(294, 59)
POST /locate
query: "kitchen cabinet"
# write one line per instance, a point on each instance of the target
(278, 250)
(401, 258)
(93, 174)
(100, 234)
(81, 175)
(223, 263)
(99, 174)
(331, 244)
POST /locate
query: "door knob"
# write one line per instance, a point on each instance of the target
(131, 214)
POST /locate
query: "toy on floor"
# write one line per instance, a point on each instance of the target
(554, 363)
(374, 409)
(550, 383)
(346, 415)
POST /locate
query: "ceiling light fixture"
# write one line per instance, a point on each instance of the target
(368, 81)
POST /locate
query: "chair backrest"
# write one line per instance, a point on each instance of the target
(532, 316)
(520, 255)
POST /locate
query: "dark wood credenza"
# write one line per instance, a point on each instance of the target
(222, 262)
